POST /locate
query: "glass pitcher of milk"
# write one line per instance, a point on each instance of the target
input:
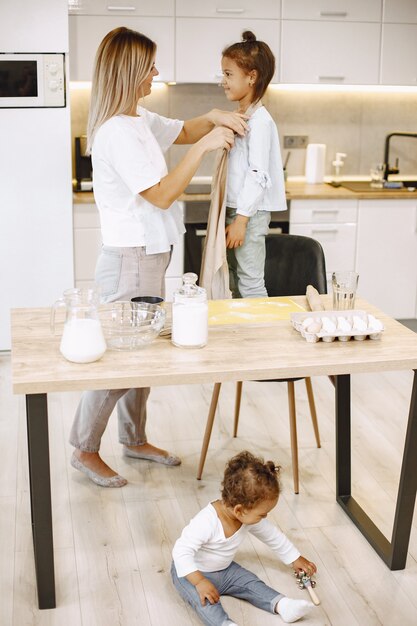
(190, 314)
(82, 338)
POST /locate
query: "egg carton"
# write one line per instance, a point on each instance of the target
(362, 325)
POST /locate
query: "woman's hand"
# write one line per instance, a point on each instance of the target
(219, 137)
(207, 591)
(306, 566)
(236, 231)
(231, 119)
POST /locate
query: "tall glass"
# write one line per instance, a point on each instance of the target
(344, 284)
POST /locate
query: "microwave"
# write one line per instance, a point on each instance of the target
(32, 80)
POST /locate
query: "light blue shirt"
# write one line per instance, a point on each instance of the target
(255, 177)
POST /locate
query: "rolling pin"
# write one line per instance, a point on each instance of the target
(313, 299)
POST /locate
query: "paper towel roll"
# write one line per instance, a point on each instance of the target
(315, 159)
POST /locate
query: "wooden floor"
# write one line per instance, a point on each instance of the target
(113, 547)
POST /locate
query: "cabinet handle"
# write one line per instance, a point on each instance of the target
(219, 10)
(113, 8)
(324, 230)
(331, 77)
(318, 213)
(333, 13)
(201, 232)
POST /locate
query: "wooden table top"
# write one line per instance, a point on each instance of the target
(234, 352)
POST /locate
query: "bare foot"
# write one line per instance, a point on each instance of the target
(95, 463)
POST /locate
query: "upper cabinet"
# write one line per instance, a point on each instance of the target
(399, 43)
(314, 41)
(400, 11)
(199, 47)
(229, 8)
(330, 41)
(343, 10)
(87, 31)
(95, 18)
(204, 29)
(121, 7)
(330, 52)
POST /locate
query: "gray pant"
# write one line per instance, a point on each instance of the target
(121, 274)
(235, 581)
(247, 263)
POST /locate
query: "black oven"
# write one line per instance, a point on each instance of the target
(195, 219)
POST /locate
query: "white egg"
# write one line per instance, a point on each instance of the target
(315, 327)
(307, 322)
(343, 324)
(359, 324)
(328, 325)
(374, 324)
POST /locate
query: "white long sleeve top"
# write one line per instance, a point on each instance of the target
(255, 178)
(203, 545)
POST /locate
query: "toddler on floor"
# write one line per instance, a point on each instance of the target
(203, 567)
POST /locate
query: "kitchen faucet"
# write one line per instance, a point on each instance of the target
(387, 169)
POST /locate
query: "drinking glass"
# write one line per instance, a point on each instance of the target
(377, 176)
(344, 284)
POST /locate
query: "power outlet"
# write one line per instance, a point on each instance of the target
(292, 142)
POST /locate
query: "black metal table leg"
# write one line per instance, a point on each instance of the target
(395, 553)
(40, 497)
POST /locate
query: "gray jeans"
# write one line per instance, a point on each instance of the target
(121, 273)
(235, 581)
(247, 263)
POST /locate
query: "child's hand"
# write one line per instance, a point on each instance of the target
(206, 590)
(236, 231)
(303, 564)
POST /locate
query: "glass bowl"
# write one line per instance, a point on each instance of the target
(131, 325)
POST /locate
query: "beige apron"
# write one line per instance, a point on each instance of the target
(214, 272)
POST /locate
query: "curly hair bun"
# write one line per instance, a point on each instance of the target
(248, 36)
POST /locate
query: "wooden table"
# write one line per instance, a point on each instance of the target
(239, 352)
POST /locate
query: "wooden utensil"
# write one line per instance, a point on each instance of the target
(313, 299)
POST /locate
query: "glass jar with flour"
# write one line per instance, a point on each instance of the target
(190, 314)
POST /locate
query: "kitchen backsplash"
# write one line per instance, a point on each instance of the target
(355, 123)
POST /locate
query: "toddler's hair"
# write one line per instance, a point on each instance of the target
(249, 480)
(251, 54)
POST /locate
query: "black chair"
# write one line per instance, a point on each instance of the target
(292, 263)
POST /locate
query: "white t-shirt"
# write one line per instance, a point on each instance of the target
(204, 547)
(127, 158)
(255, 177)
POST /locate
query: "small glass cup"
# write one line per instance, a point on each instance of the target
(377, 176)
(344, 284)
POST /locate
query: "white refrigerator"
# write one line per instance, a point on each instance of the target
(36, 240)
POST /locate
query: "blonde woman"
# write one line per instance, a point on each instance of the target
(140, 220)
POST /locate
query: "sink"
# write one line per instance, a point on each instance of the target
(365, 185)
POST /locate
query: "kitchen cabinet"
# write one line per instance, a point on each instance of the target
(270, 9)
(87, 31)
(400, 11)
(399, 54)
(386, 255)
(333, 224)
(199, 44)
(345, 10)
(330, 52)
(87, 246)
(121, 7)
